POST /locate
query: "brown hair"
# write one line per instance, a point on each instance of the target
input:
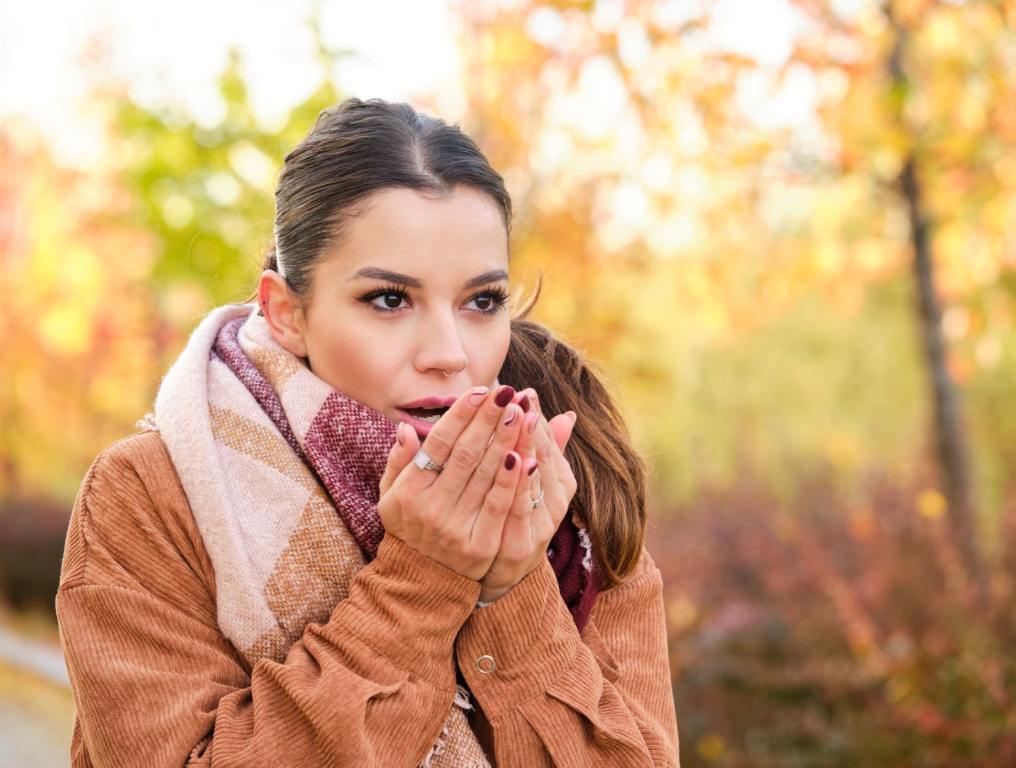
(610, 474)
(360, 147)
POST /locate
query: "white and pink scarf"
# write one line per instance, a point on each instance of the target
(282, 474)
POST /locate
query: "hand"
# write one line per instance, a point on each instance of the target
(455, 517)
(528, 531)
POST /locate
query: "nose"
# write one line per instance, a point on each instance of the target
(440, 345)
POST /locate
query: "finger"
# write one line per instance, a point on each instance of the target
(405, 447)
(566, 477)
(551, 472)
(505, 437)
(545, 516)
(471, 445)
(489, 523)
(562, 428)
(524, 400)
(532, 399)
(556, 433)
(517, 535)
(545, 448)
(446, 431)
(559, 432)
(520, 518)
(526, 445)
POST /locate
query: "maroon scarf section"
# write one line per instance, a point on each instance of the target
(347, 448)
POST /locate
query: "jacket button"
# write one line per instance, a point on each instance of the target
(485, 664)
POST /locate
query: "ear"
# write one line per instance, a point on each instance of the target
(282, 312)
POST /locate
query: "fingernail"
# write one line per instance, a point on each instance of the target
(524, 403)
(509, 417)
(532, 469)
(504, 396)
(574, 417)
(477, 395)
(509, 460)
(398, 433)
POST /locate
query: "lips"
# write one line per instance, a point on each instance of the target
(423, 426)
(430, 402)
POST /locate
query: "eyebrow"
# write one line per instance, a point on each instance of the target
(396, 277)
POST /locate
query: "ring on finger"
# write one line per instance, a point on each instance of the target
(423, 460)
(534, 503)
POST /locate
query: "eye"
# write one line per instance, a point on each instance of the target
(491, 300)
(391, 299)
(487, 302)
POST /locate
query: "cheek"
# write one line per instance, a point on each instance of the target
(489, 350)
(347, 355)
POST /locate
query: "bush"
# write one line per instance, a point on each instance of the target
(32, 534)
(830, 634)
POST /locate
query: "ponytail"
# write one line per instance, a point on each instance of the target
(610, 498)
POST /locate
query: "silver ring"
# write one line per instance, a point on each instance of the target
(423, 461)
(534, 503)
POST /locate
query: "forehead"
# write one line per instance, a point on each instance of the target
(404, 227)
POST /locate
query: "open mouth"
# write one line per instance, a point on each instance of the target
(430, 415)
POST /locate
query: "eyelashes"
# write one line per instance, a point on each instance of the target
(495, 295)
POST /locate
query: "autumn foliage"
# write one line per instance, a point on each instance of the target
(792, 254)
(828, 634)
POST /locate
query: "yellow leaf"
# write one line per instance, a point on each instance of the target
(711, 746)
(931, 504)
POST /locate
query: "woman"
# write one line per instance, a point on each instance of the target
(375, 520)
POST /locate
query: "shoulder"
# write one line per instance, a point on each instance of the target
(645, 582)
(142, 455)
(645, 571)
(131, 477)
(628, 624)
(131, 524)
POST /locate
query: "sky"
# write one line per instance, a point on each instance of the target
(399, 49)
(173, 53)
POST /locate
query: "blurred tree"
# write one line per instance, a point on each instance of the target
(205, 193)
(950, 433)
(926, 124)
(688, 191)
(108, 271)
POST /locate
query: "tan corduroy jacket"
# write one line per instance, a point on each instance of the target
(157, 684)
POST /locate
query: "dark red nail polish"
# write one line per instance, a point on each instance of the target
(509, 461)
(532, 469)
(504, 396)
(524, 404)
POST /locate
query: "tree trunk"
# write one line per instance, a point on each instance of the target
(951, 450)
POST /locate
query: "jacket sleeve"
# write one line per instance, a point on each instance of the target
(555, 697)
(157, 684)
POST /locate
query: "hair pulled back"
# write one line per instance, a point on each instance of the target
(363, 146)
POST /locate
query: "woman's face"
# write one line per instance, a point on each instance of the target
(416, 286)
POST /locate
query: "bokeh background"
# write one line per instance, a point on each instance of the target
(785, 230)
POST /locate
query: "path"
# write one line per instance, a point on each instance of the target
(36, 706)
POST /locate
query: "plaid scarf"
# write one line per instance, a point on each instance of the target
(282, 474)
